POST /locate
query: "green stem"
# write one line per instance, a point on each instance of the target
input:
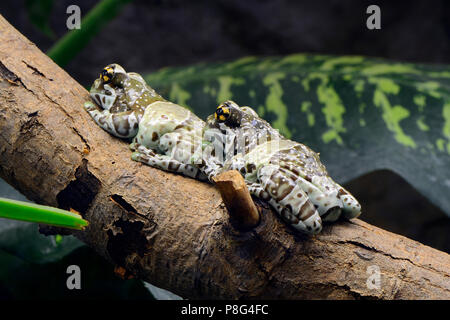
(63, 51)
(26, 211)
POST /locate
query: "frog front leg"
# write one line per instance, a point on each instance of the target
(327, 202)
(352, 208)
(207, 161)
(321, 193)
(258, 191)
(334, 193)
(211, 169)
(289, 199)
(166, 163)
(123, 124)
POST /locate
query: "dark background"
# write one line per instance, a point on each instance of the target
(149, 35)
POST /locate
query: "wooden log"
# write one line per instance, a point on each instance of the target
(174, 231)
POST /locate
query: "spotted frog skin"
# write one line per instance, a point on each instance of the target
(285, 173)
(165, 135)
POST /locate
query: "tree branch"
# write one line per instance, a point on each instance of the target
(237, 199)
(173, 231)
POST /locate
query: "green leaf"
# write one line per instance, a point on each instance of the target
(26, 211)
(33, 266)
(23, 240)
(360, 113)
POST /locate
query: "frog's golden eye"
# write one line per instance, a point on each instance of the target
(222, 113)
(107, 74)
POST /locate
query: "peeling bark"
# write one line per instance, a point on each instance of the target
(174, 231)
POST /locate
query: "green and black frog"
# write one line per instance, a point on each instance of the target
(287, 174)
(165, 135)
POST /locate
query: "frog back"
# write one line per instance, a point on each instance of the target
(284, 153)
(162, 117)
(268, 151)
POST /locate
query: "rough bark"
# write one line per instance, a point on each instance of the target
(173, 231)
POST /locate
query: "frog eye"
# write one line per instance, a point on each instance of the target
(107, 74)
(222, 113)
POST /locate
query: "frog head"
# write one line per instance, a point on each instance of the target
(228, 113)
(116, 90)
(237, 129)
(109, 86)
(241, 120)
(114, 74)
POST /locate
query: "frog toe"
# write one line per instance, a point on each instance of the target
(136, 156)
(352, 208)
(327, 203)
(144, 150)
(134, 146)
(323, 199)
(332, 214)
(304, 218)
(89, 106)
(312, 225)
(144, 158)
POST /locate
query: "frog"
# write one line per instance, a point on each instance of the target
(285, 173)
(163, 134)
